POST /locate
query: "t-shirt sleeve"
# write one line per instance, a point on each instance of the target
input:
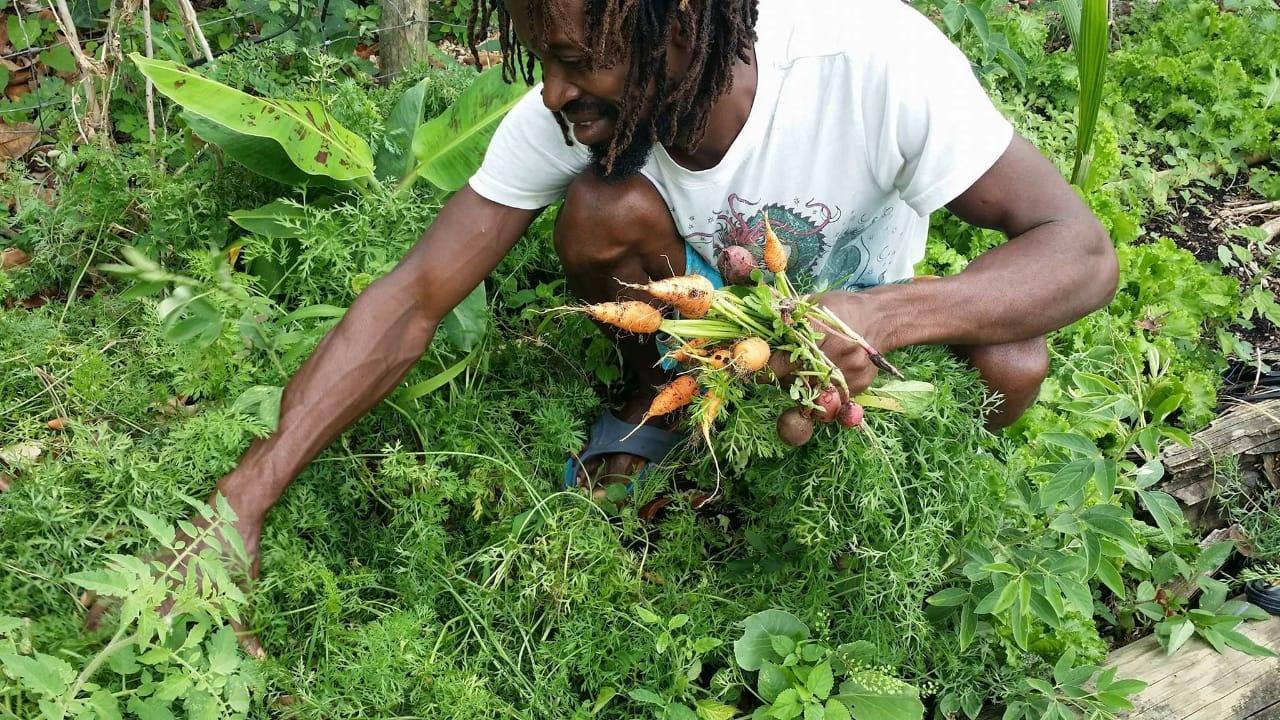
(528, 165)
(939, 131)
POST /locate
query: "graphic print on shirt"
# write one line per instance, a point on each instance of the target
(850, 256)
(800, 230)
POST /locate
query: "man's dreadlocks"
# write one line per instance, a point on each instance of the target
(719, 33)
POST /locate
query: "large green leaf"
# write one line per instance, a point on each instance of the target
(467, 324)
(395, 157)
(449, 149)
(311, 137)
(756, 644)
(261, 155)
(276, 219)
(1091, 56)
(874, 696)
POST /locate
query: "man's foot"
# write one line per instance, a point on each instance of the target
(603, 470)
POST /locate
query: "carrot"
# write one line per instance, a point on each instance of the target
(673, 396)
(690, 294)
(687, 352)
(715, 401)
(630, 315)
(718, 358)
(750, 354)
(775, 256)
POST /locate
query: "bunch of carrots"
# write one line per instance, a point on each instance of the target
(743, 332)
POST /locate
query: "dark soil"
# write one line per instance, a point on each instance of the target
(1197, 223)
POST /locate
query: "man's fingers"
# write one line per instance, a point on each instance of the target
(249, 641)
(97, 607)
(781, 365)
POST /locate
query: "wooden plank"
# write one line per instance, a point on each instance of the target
(1199, 684)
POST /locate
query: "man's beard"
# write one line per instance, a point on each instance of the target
(629, 160)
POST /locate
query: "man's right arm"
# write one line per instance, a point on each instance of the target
(385, 331)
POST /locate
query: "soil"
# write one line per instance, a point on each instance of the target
(1197, 223)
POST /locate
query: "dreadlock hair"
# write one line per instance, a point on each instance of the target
(719, 33)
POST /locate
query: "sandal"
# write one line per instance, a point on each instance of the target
(609, 436)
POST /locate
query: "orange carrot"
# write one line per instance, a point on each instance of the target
(630, 315)
(775, 256)
(750, 354)
(687, 352)
(690, 294)
(718, 358)
(673, 396)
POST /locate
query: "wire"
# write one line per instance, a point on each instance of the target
(297, 17)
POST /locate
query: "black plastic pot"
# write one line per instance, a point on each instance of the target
(1264, 595)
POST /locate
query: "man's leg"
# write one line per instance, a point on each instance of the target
(1015, 370)
(614, 231)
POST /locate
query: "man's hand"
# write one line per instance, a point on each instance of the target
(858, 311)
(180, 563)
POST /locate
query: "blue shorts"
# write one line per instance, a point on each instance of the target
(694, 264)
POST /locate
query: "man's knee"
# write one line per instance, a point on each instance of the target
(1023, 366)
(602, 222)
(1015, 371)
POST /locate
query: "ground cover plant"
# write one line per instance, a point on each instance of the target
(426, 566)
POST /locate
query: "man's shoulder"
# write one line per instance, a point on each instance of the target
(858, 29)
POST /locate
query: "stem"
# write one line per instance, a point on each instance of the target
(116, 643)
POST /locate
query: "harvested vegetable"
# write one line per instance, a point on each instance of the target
(850, 415)
(828, 402)
(689, 294)
(794, 428)
(735, 265)
(775, 256)
(750, 354)
(630, 315)
(673, 396)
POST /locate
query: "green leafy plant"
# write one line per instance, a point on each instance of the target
(1089, 25)
(152, 664)
(797, 677)
(677, 698)
(1087, 691)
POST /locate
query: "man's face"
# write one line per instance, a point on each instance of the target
(589, 98)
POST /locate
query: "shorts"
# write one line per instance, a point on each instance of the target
(694, 264)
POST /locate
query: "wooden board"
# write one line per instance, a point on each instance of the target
(1197, 683)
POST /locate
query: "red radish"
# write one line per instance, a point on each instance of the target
(829, 403)
(850, 415)
(735, 264)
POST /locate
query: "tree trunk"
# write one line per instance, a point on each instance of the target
(402, 35)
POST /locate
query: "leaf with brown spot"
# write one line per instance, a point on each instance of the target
(304, 130)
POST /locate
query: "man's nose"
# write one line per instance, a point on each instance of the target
(556, 90)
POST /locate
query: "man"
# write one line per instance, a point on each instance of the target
(671, 128)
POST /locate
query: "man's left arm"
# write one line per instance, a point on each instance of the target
(1057, 266)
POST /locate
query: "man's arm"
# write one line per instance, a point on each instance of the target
(365, 356)
(1058, 266)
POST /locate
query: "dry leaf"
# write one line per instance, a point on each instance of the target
(21, 453)
(17, 139)
(12, 258)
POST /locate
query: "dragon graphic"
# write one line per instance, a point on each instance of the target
(742, 224)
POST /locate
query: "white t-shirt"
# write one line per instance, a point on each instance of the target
(866, 119)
